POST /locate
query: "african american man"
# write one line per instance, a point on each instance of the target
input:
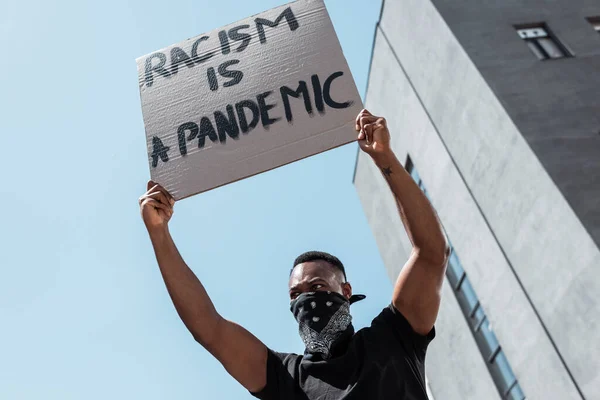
(382, 361)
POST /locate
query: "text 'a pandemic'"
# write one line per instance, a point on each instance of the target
(244, 116)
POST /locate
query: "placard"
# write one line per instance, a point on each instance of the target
(246, 98)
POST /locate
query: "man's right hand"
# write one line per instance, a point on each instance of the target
(156, 207)
(240, 352)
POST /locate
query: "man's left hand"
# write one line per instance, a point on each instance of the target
(373, 134)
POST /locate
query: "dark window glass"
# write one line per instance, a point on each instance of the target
(466, 296)
(551, 48)
(515, 393)
(535, 48)
(455, 271)
(409, 165)
(595, 21)
(487, 341)
(502, 373)
(542, 42)
(476, 319)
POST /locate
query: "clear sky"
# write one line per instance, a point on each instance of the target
(83, 311)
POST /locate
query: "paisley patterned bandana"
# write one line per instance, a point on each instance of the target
(323, 318)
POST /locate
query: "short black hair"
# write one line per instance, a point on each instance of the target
(319, 255)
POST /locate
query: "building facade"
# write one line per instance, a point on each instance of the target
(494, 109)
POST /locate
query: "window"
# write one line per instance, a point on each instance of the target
(477, 318)
(491, 351)
(595, 21)
(466, 296)
(515, 393)
(455, 271)
(503, 374)
(488, 343)
(542, 42)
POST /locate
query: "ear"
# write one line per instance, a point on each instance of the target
(347, 290)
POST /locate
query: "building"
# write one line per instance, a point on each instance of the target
(494, 108)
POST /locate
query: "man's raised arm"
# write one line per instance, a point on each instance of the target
(240, 352)
(417, 289)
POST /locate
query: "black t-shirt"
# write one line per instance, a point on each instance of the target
(381, 362)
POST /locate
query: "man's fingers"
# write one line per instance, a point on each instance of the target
(170, 199)
(364, 120)
(368, 129)
(360, 115)
(156, 195)
(150, 185)
(357, 121)
(158, 205)
(159, 196)
(158, 188)
(166, 192)
(366, 132)
(372, 130)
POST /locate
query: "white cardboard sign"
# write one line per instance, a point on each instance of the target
(249, 97)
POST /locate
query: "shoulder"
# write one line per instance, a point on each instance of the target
(281, 375)
(283, 362)
(391, 324)
(284, 358)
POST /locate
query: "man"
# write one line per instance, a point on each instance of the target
(383, 361)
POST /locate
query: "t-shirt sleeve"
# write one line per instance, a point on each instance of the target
(281, 377)
(391, 322)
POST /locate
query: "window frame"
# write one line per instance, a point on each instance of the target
(595, 22)
(504, 374)
(535, 42)
(455, 272)
(515, 392)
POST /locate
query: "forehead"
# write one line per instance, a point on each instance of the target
(308, 271)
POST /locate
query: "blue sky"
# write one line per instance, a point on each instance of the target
(84, 312)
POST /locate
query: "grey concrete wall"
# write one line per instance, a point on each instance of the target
(455, 366)
(553, 256)
(555, 104)
(521, 208)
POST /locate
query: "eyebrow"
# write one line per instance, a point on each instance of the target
(313, 280)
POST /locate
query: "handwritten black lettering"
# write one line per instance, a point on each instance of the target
(213, 83)
(327, 92)
(178, 56)
(159, 150)
(264, 110)
(181, 138)
(206, 129)
(318, 91)
(289, 16)
(245, 115)
(158, 68)
(200, 59)
(224, 42)
(253, 107)
(245, 38)
(236, 76)
(302, 91)
(227, 125)
(156, 64)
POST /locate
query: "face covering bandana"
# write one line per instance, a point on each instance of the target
(323, 318)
